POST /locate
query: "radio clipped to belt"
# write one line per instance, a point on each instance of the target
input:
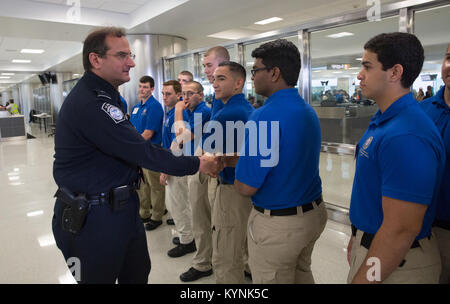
(75, 212)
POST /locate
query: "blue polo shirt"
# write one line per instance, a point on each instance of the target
(400, 156)
(237, 109)
(196, 124)
(439, 112)
(168, 135)
(216, 105)
(148, 116)
(124, 104)
(292, 129)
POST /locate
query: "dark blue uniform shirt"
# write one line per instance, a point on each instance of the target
(290, 177)
(148, 116)
(97, 148)
(439, 112)
(400, 156)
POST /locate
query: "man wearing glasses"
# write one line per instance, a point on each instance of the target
(193, 105)
(147, 117)
(96, 222)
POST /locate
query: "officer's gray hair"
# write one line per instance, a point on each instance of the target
(95, 42)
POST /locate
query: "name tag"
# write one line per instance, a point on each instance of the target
(135, 110)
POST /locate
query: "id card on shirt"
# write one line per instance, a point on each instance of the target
(135, 110)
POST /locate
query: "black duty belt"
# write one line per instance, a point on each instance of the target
(367, 239)
(442, 224)
(291, 210)
(221, 181)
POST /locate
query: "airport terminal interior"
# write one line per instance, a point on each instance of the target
(40, 62)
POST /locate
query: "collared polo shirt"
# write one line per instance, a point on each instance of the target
(439, 112)
(148, 116)
(285, 168)
(401, 156)
(197, 120)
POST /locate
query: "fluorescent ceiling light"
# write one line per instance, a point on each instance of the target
(5, 77)
(267, 21)
(8, 74)
(31, 51)
(340, 35)
(35, 213)
(338, 72)
(21, 61)
(232, 34)
(251, 63)
(360, 59)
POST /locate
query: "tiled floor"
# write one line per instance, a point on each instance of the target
(29, 255)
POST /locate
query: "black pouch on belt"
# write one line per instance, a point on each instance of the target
(75, 212)
(119, 197)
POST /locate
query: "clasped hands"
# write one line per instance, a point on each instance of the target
(212, 164)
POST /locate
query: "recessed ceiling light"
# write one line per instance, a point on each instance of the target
(8, 74)
(267, 21)
(32, 51)
(20, 61)
(360, 59)
(5, 77)
(340, 35)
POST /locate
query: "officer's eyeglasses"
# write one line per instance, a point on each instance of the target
(189, 94)
(259, 69)
(123, 56)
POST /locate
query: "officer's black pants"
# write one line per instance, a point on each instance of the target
(111, 246)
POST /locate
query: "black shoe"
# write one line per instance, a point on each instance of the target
(181, 250)
(170, 222)
(193, 274)
(247, 274)
(165, 211)
(152, 225)
(145, 220)
(176, 240)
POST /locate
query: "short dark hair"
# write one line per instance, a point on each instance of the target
(146, 79)
(235, 68)
(283, 54)
(175, 84)
(187, 73)
(95, 42)
(399, 48)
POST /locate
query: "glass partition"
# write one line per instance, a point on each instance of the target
(431, 27)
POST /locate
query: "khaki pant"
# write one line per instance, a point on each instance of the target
(229, 219)
(178, 205)
(443, 239)
(201, 220)
(280, 247)
(422, 264)
(151, 193)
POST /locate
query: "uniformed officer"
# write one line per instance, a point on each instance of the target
(399, 165)
(438, 108)
(96, 221)
(197, 113)
(231, 209)
(282, 179)
(147, 117)
(176, 186)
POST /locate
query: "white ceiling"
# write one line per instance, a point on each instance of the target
(47, 24)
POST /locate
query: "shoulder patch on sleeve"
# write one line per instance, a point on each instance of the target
(114, 112)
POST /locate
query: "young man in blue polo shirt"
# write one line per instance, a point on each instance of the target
(288, 215)
(176, 186)
(198, 114)
(147, 117)
(231, 209)
(438, 108)
(399, 165)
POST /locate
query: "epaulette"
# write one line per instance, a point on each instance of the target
(103, 96)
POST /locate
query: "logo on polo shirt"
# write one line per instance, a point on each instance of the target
(367, 143)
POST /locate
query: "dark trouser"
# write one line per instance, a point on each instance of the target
(111, 246)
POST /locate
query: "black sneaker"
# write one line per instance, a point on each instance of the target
(170, 222)
(193, 274)
(145, 220)
(176, 240)
(181, 250)
(247, 275)
(151, 225)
